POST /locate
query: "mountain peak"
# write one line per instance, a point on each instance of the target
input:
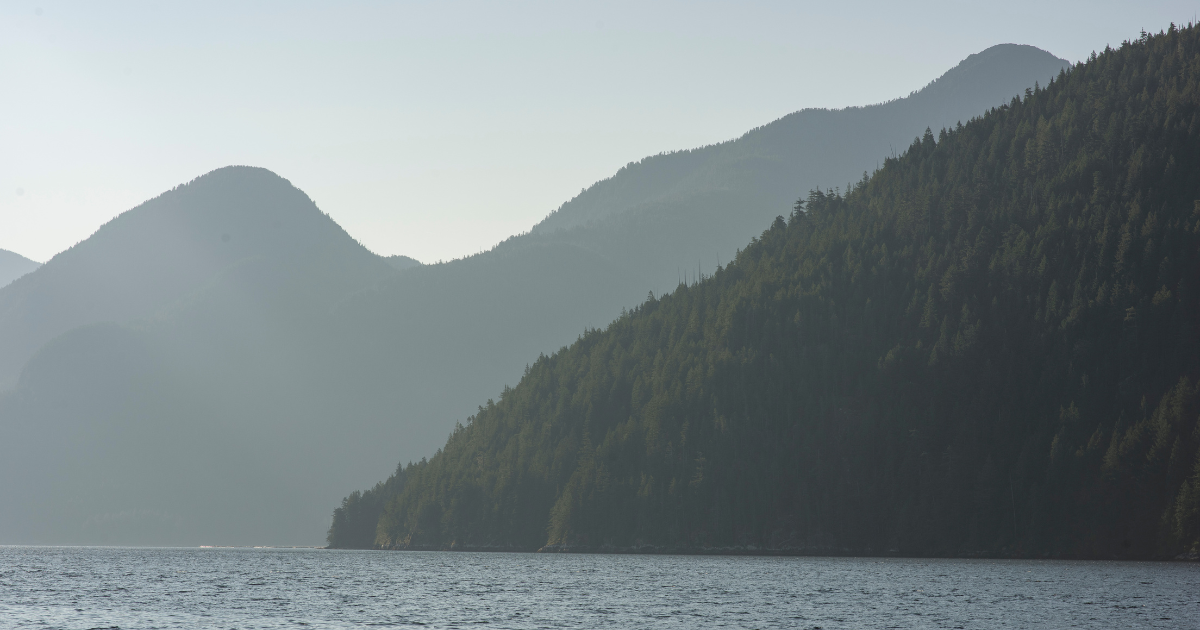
(1009, 53)
(149, 256)
(230, 193)
(238, 179)
(993, 75)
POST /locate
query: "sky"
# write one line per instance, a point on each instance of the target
(438, 129)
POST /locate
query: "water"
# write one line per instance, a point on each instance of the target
(97, 587)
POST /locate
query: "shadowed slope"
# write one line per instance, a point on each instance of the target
(642, 230)
(990, 347)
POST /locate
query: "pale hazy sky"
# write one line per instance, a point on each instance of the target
(436, 129)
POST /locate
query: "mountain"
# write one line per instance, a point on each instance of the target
(13, 266)
(671, 212)
(159, 252)
(989, 347)
(168, 404)
(220, 364)
(676, 215)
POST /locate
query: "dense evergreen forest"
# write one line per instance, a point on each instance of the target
(989, 347)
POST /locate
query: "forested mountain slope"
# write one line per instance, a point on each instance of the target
(220, 364)
(436, 340)
(13, 266)
(991, 346)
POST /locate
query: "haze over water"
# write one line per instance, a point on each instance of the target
(89, 587)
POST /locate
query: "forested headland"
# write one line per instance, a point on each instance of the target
(991, 346)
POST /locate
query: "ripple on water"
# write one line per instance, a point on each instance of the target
(273, 588)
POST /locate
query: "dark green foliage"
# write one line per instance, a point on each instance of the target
(991, 346)
(354, 523)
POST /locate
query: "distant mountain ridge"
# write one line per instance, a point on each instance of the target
(852, 140)
(670, 217)
(403, 262)
(225, 383)
(13, 266)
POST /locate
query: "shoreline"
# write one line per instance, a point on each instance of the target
(751, 551)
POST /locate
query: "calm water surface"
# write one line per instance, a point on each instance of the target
(98, 587)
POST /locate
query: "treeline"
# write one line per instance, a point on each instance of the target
(989, 347)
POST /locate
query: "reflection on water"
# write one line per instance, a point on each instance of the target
(87, 587)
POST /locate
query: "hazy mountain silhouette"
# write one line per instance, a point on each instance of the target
(403, 262)
(671, 212)
(13, 266)
(223, 363)
(169, 414)
(160, 251)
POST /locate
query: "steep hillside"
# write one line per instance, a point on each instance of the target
(223, 362)
(989, 347)
(476, 323)
(13, 266)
